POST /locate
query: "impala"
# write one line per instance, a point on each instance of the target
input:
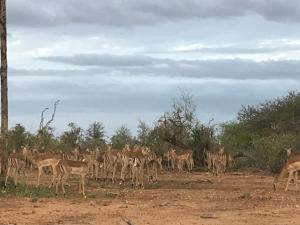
(68, 167)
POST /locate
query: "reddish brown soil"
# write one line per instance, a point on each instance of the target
(177, 199)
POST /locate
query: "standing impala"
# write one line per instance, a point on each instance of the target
(291, 168)
(43, 160)
(68, 167)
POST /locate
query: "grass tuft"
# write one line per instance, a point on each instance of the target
(22, 190)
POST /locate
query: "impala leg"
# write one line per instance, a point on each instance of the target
(16, 177)
(141, 169)
(79, 190)
(96, 171)
(123, 171)
(291, 174)
(7, 174)
(58, 181)
(39, 175)
(54, 169)
(63, 180)
(83, 186)
(156, 173)
(114, 173)
(296, 180)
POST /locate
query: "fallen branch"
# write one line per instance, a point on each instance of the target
(127, 221)
(209, 217)
(198, 181)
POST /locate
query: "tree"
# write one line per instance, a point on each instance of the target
(4, 97)
(144, 134)
(44, 137)
(73, 137)
(17, 137)
(95, 135)
(122, 137)
(176, 125)
(181, 128)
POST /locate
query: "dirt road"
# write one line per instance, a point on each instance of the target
(177, 199)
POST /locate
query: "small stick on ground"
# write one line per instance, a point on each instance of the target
(127, 221)
(199, 181)
(209, 217)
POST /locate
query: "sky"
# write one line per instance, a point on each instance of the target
(118, 61)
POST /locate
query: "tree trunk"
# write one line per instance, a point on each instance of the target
(4, 98)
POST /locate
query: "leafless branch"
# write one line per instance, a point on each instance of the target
(53, 114)
(42, 126)
(42, 119)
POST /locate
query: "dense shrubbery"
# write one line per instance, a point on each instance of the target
(263, 132)
(257, 138)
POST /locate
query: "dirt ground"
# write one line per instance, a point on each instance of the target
(186, 198)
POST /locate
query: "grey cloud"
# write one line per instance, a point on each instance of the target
(137, 65)
(109, 101)
(56, 73)
(240, 50)
(144, 12)
(105, 60)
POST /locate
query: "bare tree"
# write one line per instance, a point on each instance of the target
(42, 126)
(45, 131)
(4, 98)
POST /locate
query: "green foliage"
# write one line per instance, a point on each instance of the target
(144, 134)
(245, 195)
(71, 138)
(122, 137)
(269, 152)
(44, 138)
(17, 137)
(257, 138)
(263, 132)
(95, 135)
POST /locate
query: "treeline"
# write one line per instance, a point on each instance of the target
(262, 133)
(257, 138)
(178, 128)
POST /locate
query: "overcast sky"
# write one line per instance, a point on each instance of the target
(117, 61)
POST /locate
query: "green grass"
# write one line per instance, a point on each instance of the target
(245, 195)
(22, 190)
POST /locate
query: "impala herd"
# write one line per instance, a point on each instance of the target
(134, 163)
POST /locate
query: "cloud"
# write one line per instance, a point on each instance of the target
(118, 100)
(143, 12)
(104, 60)
(139, 65)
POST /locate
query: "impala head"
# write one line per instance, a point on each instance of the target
(109, 147)
(145, 150)
(288, 152)
(75, 150)
(166, 154)
(137, 148)
(25, 150)
(126, 148)
(221, 150)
